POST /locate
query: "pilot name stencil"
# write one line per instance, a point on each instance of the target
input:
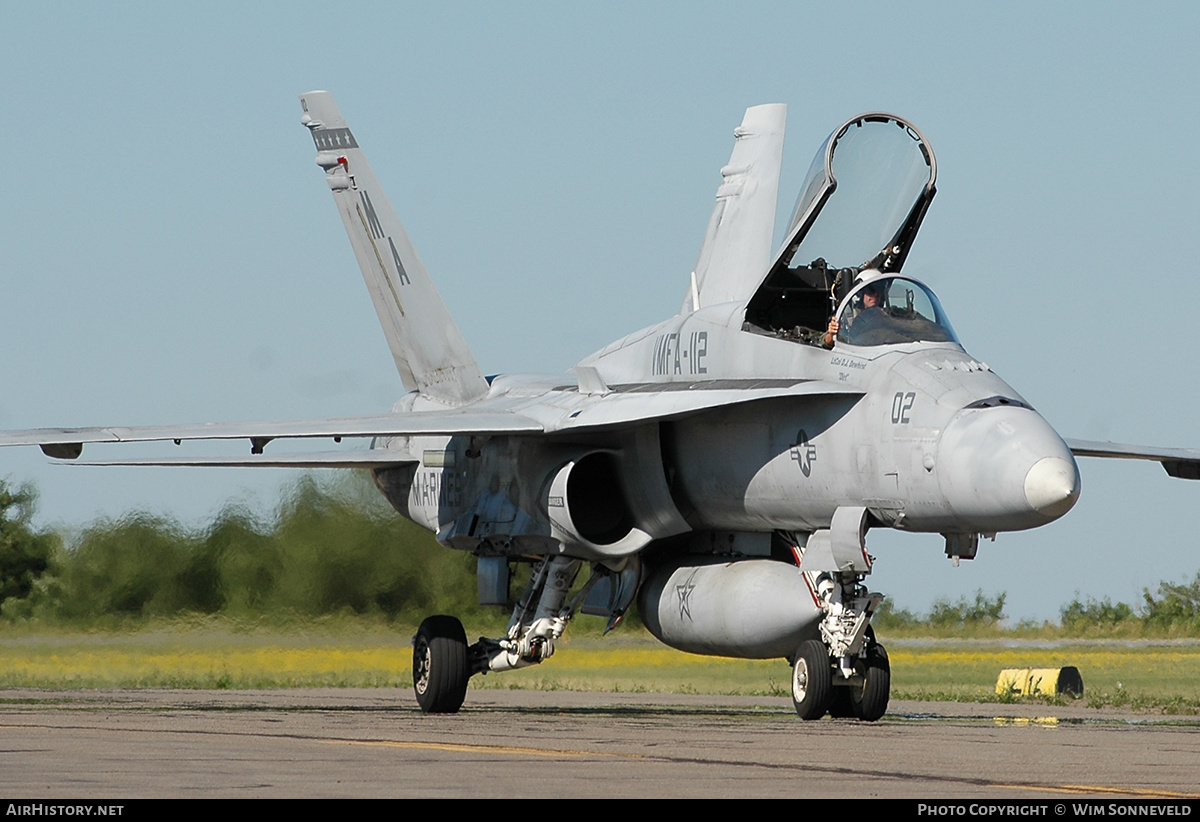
(846, 362)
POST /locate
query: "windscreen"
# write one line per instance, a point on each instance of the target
(893, 310)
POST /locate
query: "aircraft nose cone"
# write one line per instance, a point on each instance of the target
(1052, 486)
(1005, 469)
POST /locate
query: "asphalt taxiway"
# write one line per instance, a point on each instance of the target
(357, 743)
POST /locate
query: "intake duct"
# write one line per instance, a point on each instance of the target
(587, 506)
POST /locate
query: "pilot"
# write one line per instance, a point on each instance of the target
(869, 301)
(870, 298)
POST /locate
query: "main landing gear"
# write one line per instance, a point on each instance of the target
(443, 663)
(845, 673)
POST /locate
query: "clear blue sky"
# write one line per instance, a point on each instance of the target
(170, 252)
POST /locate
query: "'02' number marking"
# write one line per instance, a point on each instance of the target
(901, 404)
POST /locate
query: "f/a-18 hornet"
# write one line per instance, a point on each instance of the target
(724, 466)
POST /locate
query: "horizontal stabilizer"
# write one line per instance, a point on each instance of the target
(1183, 463)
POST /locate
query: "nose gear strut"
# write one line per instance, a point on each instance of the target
(846, 672)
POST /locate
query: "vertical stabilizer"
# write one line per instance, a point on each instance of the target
(430, 352)
(737, 249)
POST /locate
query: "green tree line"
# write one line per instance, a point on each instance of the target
(328, 550)
(337, 548)
(1172, 610)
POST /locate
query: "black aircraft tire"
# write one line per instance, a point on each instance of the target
(441, 668)
(841, 706)
(812, 680)
(871, 701)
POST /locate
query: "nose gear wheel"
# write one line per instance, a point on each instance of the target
(812, 680)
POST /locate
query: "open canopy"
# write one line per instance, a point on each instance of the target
(870, 181)
(860, 207)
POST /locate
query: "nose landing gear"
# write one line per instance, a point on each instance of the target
(845, 673)
(821, 684)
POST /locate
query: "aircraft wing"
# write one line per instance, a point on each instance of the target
(1178, 462)
(572, 412)
(67, 443)
(374, 458)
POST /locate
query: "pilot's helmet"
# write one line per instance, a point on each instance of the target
(868, 275)
(876, 289)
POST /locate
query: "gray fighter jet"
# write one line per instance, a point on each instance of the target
(722, 467)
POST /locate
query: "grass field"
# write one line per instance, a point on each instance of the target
(352, 653)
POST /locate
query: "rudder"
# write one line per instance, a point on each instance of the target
(430, 352)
